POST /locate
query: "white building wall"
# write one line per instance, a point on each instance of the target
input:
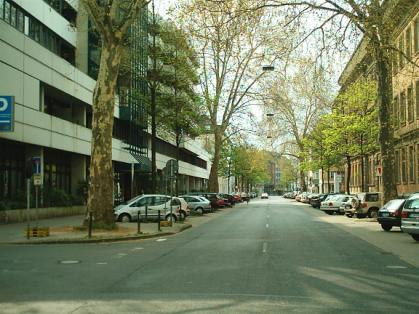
(25, 64)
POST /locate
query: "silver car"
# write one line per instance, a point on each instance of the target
(170, 208)
(333, 202)
(198, 204)
(410, 216)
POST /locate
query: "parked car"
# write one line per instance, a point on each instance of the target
(350, 205)
(216, 201)
(333, 202)
(410, 216)
(198, 204)
(390, 215)
(237, 198)
(170, 208)
(316, 200)
(264, 195)
(368, 204)
(228, 199)
(245, 197)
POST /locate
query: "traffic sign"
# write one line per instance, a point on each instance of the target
(6, 113)
(37, 179)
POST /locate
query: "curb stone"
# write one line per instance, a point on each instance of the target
(104, 239)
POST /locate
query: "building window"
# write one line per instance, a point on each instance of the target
(396, 104)
(397, 166)
(401, 49)
(404, 165)
(417, 99)
(411, 164)
(7, 12)
(410, 107)
(1, 9)
(403, 108)
(416, 35)
(408, 43)
(417, 161)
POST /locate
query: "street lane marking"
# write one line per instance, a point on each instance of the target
(267, 225)
(137, 249)
(396, 267)
(160, 240)
(265, 247)
(69, 262)
(101, 263)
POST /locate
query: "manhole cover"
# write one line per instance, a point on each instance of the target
(69, 262)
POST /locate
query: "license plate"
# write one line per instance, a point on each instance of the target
(385, 214)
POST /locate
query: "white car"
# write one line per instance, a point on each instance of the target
(171, 208)
(264, 195)
(333, 202)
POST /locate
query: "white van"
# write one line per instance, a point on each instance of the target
(169, 209)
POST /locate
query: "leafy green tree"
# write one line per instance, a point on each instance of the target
(112, 20)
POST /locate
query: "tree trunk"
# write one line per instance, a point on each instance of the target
(100, 198)
(322, 180)
(363, 173)
(349, 174)
(303, 185)
(328, 180)
(385, 136)
(213, 177)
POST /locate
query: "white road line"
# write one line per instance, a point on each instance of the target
(160, 240)
(396, 267)
(137, 249)
(101, 263)
(265, 247)
(267, 225)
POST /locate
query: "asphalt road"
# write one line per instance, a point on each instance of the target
(271, 256)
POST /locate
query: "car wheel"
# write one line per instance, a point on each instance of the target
(200, 210)
(415, 237)
(386, 227)
(329, 212)
(373, 213)
(124, 218)
(171, 218)
(349, 215)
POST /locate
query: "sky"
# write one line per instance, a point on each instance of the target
(162, 6)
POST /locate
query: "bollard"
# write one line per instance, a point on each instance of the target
(146, 213)
(158, 220)
(90, 224)
(138, 222)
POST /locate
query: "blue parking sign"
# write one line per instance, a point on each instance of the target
(6, 113)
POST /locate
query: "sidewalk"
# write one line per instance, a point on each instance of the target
(62, 231)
